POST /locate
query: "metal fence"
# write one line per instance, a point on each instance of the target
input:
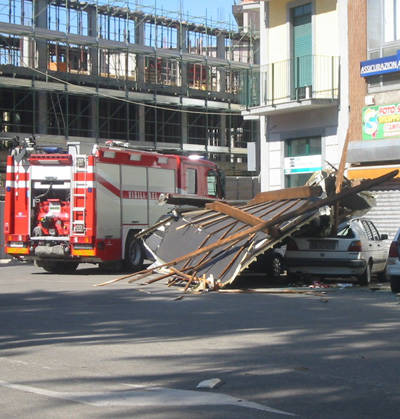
(307, 77)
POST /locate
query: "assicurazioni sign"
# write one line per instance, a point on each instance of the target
(379, 66)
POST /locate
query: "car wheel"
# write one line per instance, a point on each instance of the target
(365, 277)
(134, 254)
(275, 266)
(395, 284)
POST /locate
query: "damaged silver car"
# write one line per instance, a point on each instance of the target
(357, 250)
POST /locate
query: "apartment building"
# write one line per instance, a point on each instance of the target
(374, 149)
(299, 92)
(93, 71)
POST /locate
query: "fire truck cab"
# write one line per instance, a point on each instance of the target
(63, 208)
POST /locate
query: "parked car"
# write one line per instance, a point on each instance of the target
(270, 262)
(357, 250)
(393, 263)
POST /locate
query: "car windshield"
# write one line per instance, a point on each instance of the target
(345, 231)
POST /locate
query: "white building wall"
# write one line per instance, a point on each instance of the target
(329, 123)
(343, 111)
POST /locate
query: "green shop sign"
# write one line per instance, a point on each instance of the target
(381, 122)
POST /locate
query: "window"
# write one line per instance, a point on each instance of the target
(302, 76)
(346, 232)
(191, 181)
(293, 181)
(391, 20)
(367, 229)
(302, 147)
(374, 231)
(212, 183)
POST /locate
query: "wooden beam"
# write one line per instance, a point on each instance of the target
(342, 164)
(289, 193)
(235, 213)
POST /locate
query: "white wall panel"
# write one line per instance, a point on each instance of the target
(160, 181)
(108, 204)
(134, 190)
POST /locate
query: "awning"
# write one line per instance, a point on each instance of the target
(364, 151)
(370, 172)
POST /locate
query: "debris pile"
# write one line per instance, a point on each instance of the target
(207, 248)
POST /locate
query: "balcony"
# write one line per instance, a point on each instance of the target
(303, 83)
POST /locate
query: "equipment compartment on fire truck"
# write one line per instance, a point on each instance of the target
(66, 207)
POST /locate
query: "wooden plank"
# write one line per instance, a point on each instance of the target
(289, 193)
(340, 172)
(235, 213)
(236, 256)
(271, 291)
(339, 182)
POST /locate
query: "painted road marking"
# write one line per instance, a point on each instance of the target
(149, 396)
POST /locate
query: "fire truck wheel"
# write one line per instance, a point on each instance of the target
(59, 267)
(134, 254)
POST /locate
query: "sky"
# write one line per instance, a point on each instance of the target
(217, 10)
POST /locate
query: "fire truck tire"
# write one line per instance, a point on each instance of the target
(134, 254)
(58, 267)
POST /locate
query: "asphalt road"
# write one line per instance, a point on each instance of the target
(69, 349)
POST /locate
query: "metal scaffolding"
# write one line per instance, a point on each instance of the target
(95, 71)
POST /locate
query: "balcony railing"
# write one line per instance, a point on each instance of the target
(307, 77)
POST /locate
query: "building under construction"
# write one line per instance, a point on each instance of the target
(75, 70)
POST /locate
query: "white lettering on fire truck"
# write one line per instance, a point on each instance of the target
(140, 195)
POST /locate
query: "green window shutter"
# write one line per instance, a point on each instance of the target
(302, 46)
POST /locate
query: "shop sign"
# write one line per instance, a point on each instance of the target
(379, 66)
(302, 164)
(381, 122)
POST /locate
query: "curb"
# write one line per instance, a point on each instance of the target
(12, 262)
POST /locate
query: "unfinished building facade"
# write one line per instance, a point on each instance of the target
(81, 71)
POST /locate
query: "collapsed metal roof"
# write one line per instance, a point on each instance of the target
(219, 221)
(211, 246)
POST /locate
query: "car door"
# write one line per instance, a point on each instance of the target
(380, 249)
(373, 247)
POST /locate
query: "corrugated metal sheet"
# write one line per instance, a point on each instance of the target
(386, 213)
(201, 228)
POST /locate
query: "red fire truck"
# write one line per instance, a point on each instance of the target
(65, 208)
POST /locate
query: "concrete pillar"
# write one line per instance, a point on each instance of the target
(93, 70)
(184, 127)
(183, 47)
(221, 53)
(40, 21)
(93, 32)
(27, 59)
(139, 39)
(141, 123)
(182, 38)
(43, 119)
(222, 131)
(40, 13)
(94, 116)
